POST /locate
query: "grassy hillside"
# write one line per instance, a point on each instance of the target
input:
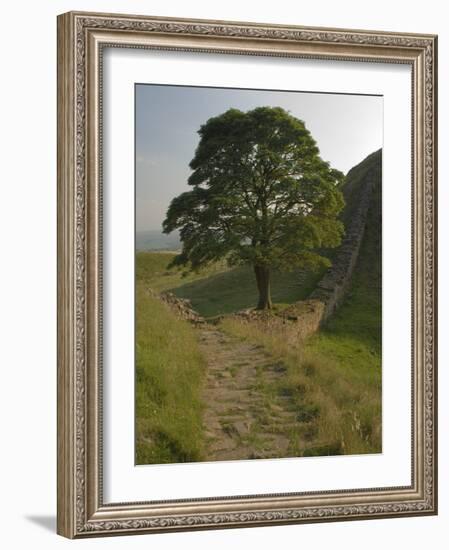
(218, 290)
(335, 378)
(168, 385)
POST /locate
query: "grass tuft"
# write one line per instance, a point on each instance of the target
(168, 385)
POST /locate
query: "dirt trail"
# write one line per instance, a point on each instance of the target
(245, 415)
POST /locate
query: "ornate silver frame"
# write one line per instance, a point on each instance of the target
(81, 38)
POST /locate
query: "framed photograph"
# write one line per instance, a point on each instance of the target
(246, 274)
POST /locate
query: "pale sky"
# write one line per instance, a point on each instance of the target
(346, 128)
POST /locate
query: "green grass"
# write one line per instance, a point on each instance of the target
(152, 269)
(335, 393)
(219, 290)
(168, 384)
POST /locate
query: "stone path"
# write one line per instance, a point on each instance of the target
(246, 416)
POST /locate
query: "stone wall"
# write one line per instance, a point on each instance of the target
(294, 323)
(181, 307)
(333, 286)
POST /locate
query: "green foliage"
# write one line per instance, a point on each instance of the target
(261, 194)
(168, 385)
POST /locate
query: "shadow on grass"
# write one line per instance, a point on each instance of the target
(236, 289)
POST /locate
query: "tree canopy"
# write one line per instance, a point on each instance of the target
(261, 195)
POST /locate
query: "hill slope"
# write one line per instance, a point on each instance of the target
(361, 310)
(353, 184)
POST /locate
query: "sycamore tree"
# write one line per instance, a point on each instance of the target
(261, 195)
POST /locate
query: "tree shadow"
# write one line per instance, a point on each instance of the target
(235, 289)
(219, 293)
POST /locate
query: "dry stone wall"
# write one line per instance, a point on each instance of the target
(295, 322)
(333, 286)
(181, 307)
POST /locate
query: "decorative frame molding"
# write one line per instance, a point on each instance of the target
(81, 38)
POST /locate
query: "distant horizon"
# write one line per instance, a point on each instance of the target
(346, 127)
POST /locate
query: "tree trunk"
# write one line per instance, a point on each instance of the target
(263, 285)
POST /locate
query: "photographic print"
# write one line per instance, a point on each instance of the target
(258, 218)
(247, 283)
